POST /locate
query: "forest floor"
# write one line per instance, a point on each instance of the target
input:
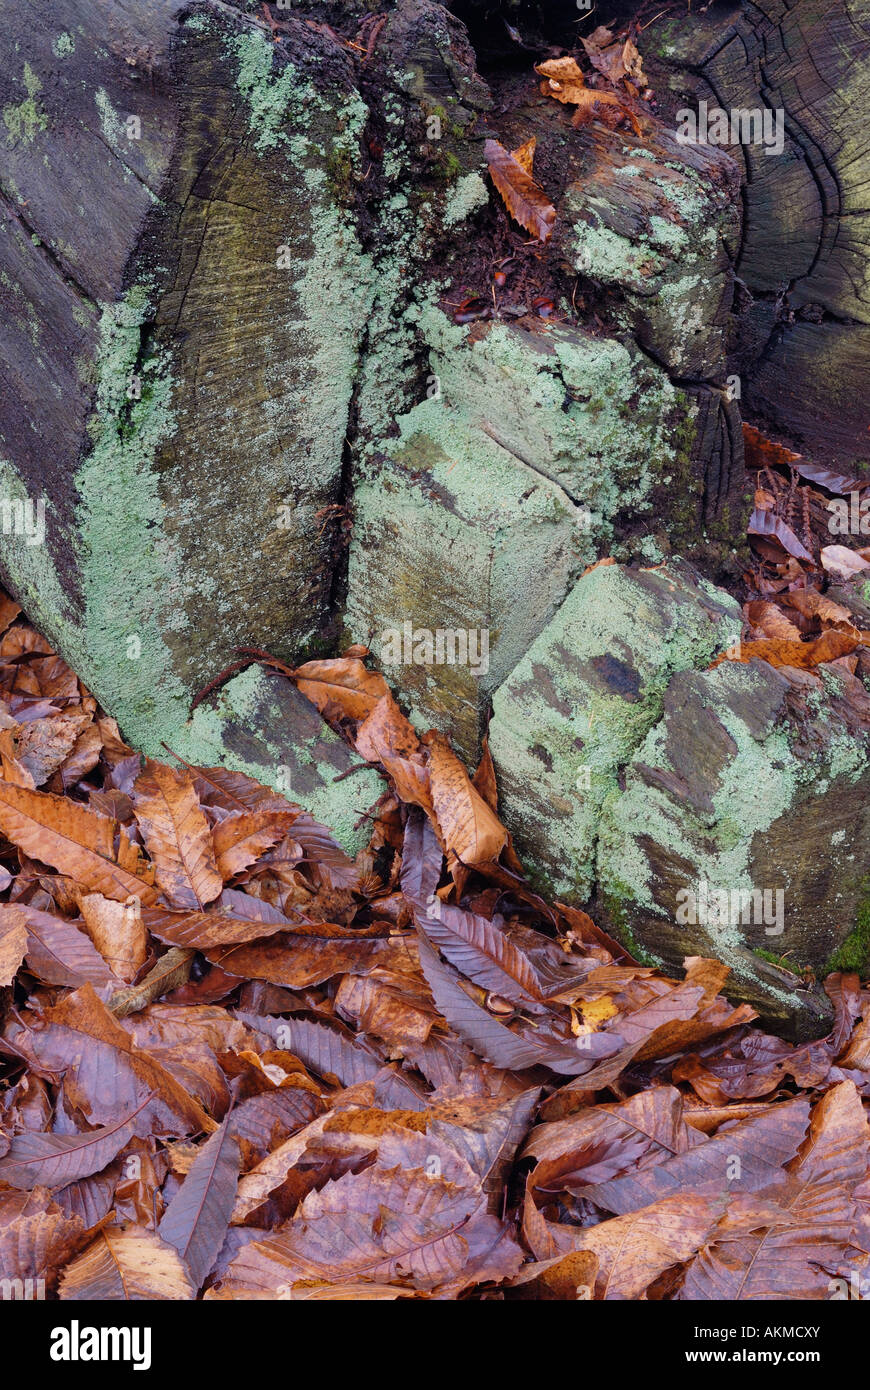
(235, 1064)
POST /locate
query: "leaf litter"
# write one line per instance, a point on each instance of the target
(235, 1064)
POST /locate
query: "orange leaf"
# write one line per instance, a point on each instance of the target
(760, 452)
(524, 199)
(525, 155)
(176, 835)
(344, 682)
(469, 828)
(387, 737)
(563, 81)
(77, 841)
(804, 655)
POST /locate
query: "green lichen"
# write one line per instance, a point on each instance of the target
(557, 714)
(762, 779)
(23, 120)
(111, 123)
(63, 45)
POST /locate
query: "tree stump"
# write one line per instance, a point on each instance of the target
(260, 372)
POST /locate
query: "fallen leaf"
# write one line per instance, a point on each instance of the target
(126, 1265)
(842, 563)
(524, 199)
(803, 655)
(75, 840)
(197, 1218)
(117, 931)
(176, 835)
(468, 827)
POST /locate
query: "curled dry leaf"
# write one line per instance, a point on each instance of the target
(767, 524)
(524, 199)
(564, 81)
(842, 563)
(344, 685)
(469, 828)
(770, 620)
(171, 972)
(13, 946)
(76, 841)
(117, 931)
(803, 655)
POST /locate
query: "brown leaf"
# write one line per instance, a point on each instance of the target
(387, 737)
(842, 563)
(76, 841)
(111, 1074)
(525, 155)
(126, 1265)
(771, 621)
(176, 835)
(36, 1238)
(54, 1160)
(524, 199)
(768, 524)
(761, 452)
(43, 744)
(564, 81)
(58, 953)
(792, 1251)
(390, 1225)
(243, 836)
(481, 950)
(13, 945)
(235, 791)
(803, 655)
(197, 1218)
(344, 684)
(812, 604)
(468, 827)
(761, 1145)
(207, 930)
(117, 931)
(171, 971)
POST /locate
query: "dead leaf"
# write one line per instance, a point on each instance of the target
(469, 828)
(841, 563)
(117, 931)
(76, 841)
(176, 835)
(126, 1265)
(524, 199)
(803, 655)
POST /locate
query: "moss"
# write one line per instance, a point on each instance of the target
(853, 954)
(614, 906)
(781, 962)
